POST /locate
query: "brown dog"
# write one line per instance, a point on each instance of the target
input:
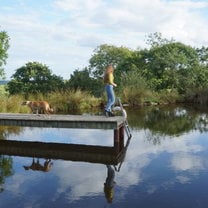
(39, 107)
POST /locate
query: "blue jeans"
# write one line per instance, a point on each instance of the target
(110, 96)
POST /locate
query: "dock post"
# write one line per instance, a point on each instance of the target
(119, 138)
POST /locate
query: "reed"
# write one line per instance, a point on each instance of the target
(79, 101)
(71, 101)
(135, 96)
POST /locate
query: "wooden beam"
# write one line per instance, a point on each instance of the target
(61, 121)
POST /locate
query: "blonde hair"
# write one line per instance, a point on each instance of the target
(109, 69)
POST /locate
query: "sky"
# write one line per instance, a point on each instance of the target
(63, 34)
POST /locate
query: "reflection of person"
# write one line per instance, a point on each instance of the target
(109, 184)
(109, 84)
(37, 166)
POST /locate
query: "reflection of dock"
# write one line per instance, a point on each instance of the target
(73, 152)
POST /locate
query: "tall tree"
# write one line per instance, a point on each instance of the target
(34, 77)
(167, 64)
(4, 46)
(203, 55)
(109, 54)
(82, 80)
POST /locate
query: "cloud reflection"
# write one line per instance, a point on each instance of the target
(75, 180)
(183, 179)
(187, 162)
(79, 179)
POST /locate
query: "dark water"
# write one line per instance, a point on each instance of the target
(165, 165)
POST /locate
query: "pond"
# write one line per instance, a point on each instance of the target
(164, 164)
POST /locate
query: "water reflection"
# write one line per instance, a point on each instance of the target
(37, 166)
(73, 152)
(6, 131)
(6, 170)
(42, 156)
(171, 121)
(109, 184)
(159, 168)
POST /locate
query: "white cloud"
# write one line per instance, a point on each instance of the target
(65, 35)
(78, 5)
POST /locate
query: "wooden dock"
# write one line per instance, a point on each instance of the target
(67, 121)
(108, 155)
(61, 121)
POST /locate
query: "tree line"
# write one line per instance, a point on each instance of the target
(165, 67)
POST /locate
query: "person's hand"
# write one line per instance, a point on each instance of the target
(115, 85)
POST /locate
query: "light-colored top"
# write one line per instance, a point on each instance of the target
(110, 79)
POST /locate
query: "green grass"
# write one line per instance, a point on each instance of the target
(62, 102)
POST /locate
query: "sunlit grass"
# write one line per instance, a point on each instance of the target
(72, 101)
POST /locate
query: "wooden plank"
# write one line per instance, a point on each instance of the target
(73, 152)
(61, 121)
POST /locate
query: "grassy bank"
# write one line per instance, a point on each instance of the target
(77, 102)
(62, 102)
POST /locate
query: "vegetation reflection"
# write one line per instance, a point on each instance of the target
(6, 169)
(6, 162)
(171, 121)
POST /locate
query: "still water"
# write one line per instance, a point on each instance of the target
(165, 165)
